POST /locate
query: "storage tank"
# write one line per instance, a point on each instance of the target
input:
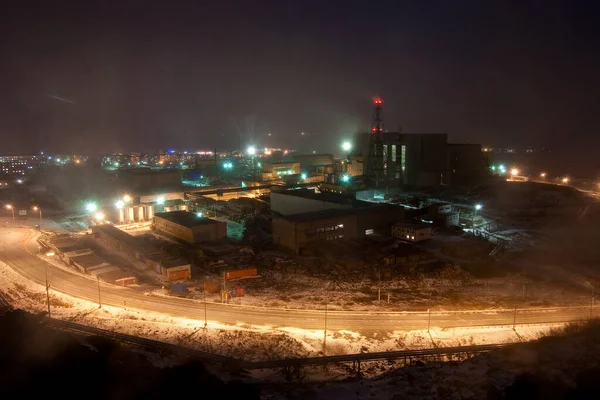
(150, 212)
(130, 214)
(140, 213)
(121, 216)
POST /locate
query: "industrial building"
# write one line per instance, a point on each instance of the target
(277, 170)
(441, 214)
(171, 267)
(417, 160)
(189, 227)
(412, 232)
(299, 232)
(291, 202)
(85, 260)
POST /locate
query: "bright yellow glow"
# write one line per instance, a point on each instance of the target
(99, 216)
(77, 161)
(35, 208)
(514, 171)
(543, 174)
(127, 198)
(9, 206)
(565, 180)
(50, 254)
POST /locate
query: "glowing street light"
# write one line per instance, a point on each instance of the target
(346, 178)
(565, 180)
(346, 146)
(514, 172)
(11, 208)
(478, 207)
(120, 204)
(127, 198)
(160, 200)
(99, 216)
(91, 207)
(199, 214)
(251, 150)
(303, 176)
(543, 175)
(36, 208)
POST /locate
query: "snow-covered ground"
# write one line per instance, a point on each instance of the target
(247, 342)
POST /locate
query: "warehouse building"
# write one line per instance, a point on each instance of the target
(304, 201)
(412, 232)
(123, 241)
(171, 267)
(298, 232)
(189, 227)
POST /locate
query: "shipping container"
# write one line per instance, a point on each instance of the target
(182, 274)
(179, 288)
(211, 287)
(239, 292)
(240, 273)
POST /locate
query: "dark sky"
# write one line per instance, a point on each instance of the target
(149, 75)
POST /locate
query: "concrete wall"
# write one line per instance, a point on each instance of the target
(289, 205)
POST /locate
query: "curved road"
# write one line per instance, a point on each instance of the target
(18, 248)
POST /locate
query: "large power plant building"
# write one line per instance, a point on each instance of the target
(189, 227)
(416, 160)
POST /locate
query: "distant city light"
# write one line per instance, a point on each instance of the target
(228, 165)
(302, 133)
(565, 180)
(120, 204)
(251, 150)
(346, 146)
(199, 214)
(493, 167)
(19, 180)
(543, 175)
(303, 176)
(346, 178)
(160, 200)
(478, 207)
(91, 207)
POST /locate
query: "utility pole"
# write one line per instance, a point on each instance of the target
(325, 331)
(428, 319)
(379, 288)
(99, 299)
(205, 323)
(47, 290)
(523, 290)
(515, 318)
(592, 303)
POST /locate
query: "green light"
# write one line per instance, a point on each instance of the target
(346, 178)
(160, 200)
(91, 207)
(303, 176)
(199, 215)
(493, 167)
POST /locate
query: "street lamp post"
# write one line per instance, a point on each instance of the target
(47, 289)
(11, 208)
(205, 320)
(36, 208)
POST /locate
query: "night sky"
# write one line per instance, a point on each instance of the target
(146, 75)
